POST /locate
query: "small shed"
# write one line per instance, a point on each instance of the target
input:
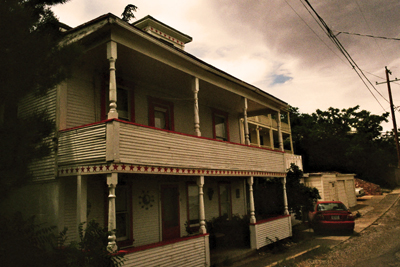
(333, 186)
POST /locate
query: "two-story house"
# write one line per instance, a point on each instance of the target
(151, 140)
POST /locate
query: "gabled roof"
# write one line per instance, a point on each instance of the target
(152, 22)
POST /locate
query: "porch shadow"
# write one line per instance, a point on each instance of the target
(227, 256)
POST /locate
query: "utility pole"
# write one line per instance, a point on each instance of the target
(396, 137)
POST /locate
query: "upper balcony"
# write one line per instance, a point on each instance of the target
(121, 143)
(136, 100)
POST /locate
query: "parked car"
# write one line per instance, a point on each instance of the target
(360, 192)
(331, 216)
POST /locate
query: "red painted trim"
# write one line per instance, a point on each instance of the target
(160, 244)
(87, 125)
(270, 219)
(163, 186)
(169, 131)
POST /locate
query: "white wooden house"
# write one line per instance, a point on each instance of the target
(333, 186)
(150, 138)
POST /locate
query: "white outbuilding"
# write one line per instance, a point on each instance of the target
(333, 186)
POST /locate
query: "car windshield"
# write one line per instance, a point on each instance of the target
(331, 206)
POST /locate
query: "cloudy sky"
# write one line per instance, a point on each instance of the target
(278, 46)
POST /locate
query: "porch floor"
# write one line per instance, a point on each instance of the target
(226, 256)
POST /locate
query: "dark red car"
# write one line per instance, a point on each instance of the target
(330, 216)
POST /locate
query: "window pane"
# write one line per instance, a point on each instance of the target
(122, 104)
(122, 214)
(121, 200)
(193, 203)
(160, 119)
(220, 128)
(122, 221)
(225, 200)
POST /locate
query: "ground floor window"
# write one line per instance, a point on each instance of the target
(225, 200)
(193, 205)
(123, 212)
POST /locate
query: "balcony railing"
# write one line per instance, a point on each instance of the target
(130, 143)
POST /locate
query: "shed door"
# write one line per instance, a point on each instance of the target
(170, 212)
(342, 193)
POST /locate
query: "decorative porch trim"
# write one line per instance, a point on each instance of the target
(145, 169)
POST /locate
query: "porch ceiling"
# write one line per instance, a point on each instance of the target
(137, 67)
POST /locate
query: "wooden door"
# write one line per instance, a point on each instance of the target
(170, 212)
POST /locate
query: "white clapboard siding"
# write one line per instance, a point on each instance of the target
(270, 231)
(296, 159)
(82, 145)
(350, 192)
(342, 192)
(142, 145)
(190, 252)
(80, 101)
(70, 210)
(43, 169)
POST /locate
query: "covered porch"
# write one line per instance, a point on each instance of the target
(140, 210)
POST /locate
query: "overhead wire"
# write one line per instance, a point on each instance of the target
(366, 22)
(367, 35)
(341, 48)
(314, 32)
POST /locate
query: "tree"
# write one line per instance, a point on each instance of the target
(300, 197)
(346, 140)
(127, 15)
(33, 61)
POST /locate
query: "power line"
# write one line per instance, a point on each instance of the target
(366, 22)
(341, 48)
(368, 35)
(314, 32)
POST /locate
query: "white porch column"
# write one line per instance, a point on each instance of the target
(290, 131)
(112, 57)
(81, 200)
(250, 181)
(202, 217)
(195, 89)
(112, 181)
(246, 125)
(285, 201)
(280, 132)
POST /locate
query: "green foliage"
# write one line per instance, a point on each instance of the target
(300, 197)
(91, 250)
(128, 15)
(268, 197)
(347, 140)
(32, 62)
(29, 244)
(26, 243)
(235, 231)
(23, 142)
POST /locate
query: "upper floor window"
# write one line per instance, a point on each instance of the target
(125, 103)
(161, 114)
(220, 125)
